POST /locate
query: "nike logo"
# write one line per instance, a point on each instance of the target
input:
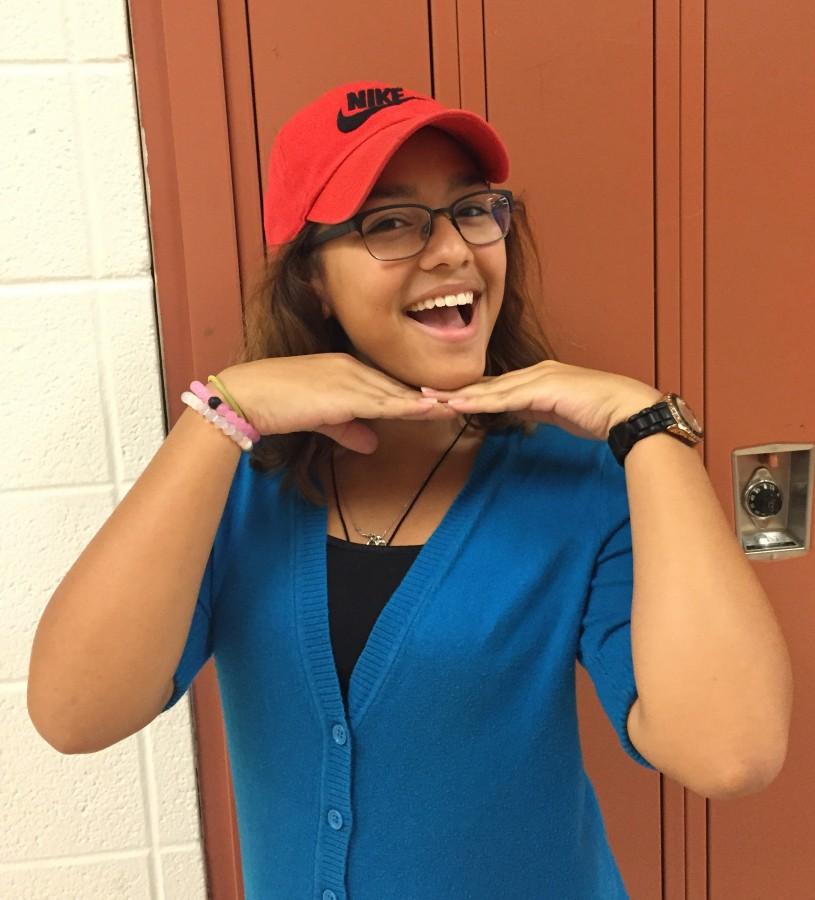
(375, 99)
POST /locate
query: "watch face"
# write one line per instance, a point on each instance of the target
(687, 415)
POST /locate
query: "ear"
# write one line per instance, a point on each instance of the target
(319, 288)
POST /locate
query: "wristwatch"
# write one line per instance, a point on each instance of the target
(670, 414)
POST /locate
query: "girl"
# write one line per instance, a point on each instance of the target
(430, 523)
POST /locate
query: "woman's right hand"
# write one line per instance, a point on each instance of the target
(324, 392)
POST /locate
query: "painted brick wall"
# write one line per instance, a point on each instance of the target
(81, 373)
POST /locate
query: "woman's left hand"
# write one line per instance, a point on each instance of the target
(585, 402)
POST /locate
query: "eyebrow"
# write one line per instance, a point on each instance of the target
(390, 191)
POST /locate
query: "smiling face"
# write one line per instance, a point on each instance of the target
(369, 297)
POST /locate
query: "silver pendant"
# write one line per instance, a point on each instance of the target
(374, 540)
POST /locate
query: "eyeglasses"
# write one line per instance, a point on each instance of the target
(399, 232)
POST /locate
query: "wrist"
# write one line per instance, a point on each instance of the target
(213, 407)
(635, 403)
(233, 378)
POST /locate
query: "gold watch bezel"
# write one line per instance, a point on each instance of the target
(682, 428)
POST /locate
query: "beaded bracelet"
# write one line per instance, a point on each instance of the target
(228, 429)
(204, 401)
(223, 409)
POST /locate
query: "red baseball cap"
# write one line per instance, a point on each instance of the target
(328, 155)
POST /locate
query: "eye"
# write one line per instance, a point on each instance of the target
(472, 212)
(392, 223)
(474, 207)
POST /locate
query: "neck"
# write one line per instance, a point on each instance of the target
(401, 441)
(408, 453)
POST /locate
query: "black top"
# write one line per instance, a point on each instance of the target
(361, 579)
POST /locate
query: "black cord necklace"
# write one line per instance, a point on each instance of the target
(379, 539)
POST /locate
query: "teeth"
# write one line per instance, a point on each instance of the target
(449, 300)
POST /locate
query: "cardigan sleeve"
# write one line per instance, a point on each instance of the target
(198, 647)
(605, 634)
(199, 644)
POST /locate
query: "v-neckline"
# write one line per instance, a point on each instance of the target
(386, 637)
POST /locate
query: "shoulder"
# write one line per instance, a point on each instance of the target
(566, 475)
(559, 452)
(555, 483)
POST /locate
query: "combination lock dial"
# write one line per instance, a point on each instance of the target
(762, 496)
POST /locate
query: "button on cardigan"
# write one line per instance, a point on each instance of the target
(456, 772)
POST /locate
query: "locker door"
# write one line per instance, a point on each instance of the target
(759, 240)
(300, 52)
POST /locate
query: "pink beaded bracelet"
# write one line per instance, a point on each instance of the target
(224, 410)
(229, 430)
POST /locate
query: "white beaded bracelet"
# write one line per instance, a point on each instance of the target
(229, 430)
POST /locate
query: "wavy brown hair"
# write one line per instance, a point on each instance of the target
(283, 317)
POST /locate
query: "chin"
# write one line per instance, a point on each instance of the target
(449, 379)
(421, 371)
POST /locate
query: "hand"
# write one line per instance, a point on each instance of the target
(585, 402)
(327, 393)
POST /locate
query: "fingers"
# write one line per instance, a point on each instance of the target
(381, 381)
(507, 400)
(486, 386)
(388, 406)
(365, 392)
(433, 413)
(353, 435)
(357, 436)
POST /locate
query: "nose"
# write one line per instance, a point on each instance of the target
(445, 244)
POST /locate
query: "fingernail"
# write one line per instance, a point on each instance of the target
(427, 390)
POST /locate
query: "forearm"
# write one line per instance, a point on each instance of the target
(112, 633)
(711, 665)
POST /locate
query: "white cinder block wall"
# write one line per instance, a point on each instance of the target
(81, 381)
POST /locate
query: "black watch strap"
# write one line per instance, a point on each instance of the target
(653, 419)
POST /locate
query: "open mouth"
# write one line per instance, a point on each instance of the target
(447, 318)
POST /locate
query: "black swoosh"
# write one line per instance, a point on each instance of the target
(347, 124)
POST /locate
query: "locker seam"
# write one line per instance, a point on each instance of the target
(655, 302)
(458, 55)
(484, 57)
(255, 118)
(654, 185)
(432, 58)
(705, 344)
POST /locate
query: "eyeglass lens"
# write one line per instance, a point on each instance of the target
(402, 231)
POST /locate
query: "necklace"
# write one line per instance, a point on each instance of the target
(379, 540)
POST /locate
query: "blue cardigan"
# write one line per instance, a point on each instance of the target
(457, 773)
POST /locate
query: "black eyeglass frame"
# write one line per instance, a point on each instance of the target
(355, 222)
